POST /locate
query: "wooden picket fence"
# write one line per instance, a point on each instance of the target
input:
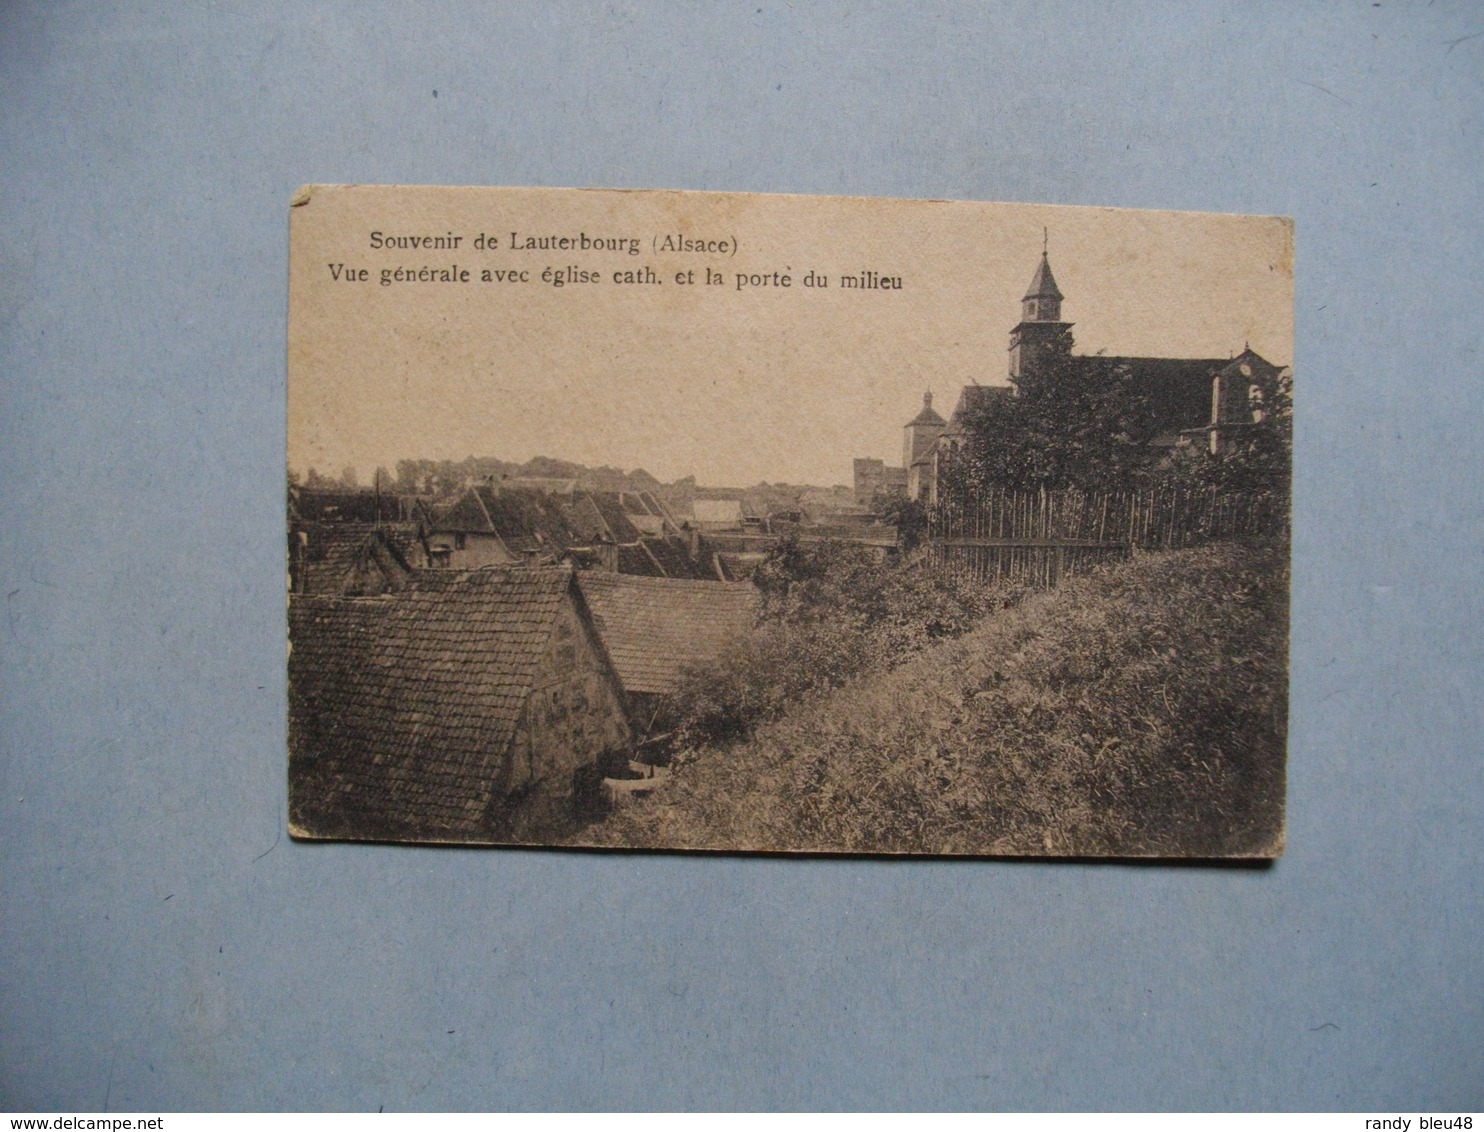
(1037, 537)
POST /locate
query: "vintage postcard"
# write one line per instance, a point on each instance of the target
(745, 522)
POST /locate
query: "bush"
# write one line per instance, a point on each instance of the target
(830, 612)
(1137, 711)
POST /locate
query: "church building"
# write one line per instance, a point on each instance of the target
(1205, 401)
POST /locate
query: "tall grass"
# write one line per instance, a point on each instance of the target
(1137, 711)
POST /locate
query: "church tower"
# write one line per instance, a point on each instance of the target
(1040, 328)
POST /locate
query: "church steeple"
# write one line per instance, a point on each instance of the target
(1041, 327)
(1042, 300)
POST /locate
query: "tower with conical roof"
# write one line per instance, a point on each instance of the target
(1040, 330)
(921, 431)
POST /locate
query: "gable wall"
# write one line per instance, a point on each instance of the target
(573, 712)
(479, 550)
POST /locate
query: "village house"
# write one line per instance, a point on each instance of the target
(632, 532)
(343, 541)
(717, 514)
(491, 525)
(653, 629)
(354, 559)
(629, 532)
(347, 505)
(431, 713)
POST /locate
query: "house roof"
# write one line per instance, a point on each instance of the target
(343, 558)
(404, 707)
(1043, 283)
(928, 416)
(524, 520)
(640, 503)
(673, 557)
(717, 510)
(339, 505)
(655, 628)
(634, 558)
(611, 507)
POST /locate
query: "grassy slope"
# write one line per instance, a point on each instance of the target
(1139, 711)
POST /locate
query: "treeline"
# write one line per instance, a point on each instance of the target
(443, 477)
(440, 479)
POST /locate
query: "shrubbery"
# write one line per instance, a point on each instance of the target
(1139, 710)
(830, 612)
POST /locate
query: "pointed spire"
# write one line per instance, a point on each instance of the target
(1043, 283)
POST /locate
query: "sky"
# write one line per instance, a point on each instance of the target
(734, 385)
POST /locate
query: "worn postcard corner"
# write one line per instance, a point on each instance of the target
(740, 522)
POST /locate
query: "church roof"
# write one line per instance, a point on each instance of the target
(974, 396)
(1043, 283)
(1249, 363)
(928, 416)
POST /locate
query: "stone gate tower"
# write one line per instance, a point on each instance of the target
(920, 432)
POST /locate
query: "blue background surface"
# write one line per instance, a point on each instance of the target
(165, 946)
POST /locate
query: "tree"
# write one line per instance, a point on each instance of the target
(1256, 458)
(910, 519)
(1073, 422)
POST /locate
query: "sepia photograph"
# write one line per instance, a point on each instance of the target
(756, 523)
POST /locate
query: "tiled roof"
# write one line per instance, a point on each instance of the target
(640, 503)
(346, 558)
(586, 520)
(660, 508)
(331, 505)
(655, 628)
(717, 510)
(404, 708)
(929, 417)
(673, 557)
(610, 505)
(524, 520)
(634, 559)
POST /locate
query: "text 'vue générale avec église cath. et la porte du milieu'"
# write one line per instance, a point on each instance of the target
(513, 253)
